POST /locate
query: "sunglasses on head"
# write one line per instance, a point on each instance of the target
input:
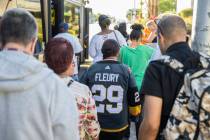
(159, 30)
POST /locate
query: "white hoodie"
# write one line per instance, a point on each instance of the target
(35, 104)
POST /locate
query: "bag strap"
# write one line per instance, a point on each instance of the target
(197, 60)
(199, 111)
(204, 60)
(172, 63)
(116, 37)
(70, 82)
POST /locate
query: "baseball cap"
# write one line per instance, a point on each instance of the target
(102, 18)
(64, 26)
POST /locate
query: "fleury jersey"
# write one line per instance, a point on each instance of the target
(114, 90)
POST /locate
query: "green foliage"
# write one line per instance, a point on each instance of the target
(186, 12)
(130, 13)
(187, 15)
(167, 6)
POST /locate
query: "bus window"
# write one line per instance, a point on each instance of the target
(32, 6)
(72, 17)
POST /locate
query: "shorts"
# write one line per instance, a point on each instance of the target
(112, 136)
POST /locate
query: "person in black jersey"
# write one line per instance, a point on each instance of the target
(114, 90)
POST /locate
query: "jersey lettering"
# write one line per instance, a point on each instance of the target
(137, 98)
(101, 97)
(114, 94)
(106, 77)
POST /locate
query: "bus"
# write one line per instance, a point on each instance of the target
(50, 13)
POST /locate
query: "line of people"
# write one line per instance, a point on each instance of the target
(37, 103)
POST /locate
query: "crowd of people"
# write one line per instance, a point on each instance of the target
(129, 81)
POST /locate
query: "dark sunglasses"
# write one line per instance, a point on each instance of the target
(159, 31)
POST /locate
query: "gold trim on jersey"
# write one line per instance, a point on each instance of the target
(114, 130)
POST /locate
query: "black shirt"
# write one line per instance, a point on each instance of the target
(162, 81)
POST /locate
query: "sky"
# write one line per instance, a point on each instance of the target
(116, 8)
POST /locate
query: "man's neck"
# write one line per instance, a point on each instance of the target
(15, 46)
(111, 58)
(105, 31)
(174, 41)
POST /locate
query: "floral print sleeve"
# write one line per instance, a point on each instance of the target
(89, 125)
(92, 125)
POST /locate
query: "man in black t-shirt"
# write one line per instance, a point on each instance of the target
(161, 84)
(114, 90)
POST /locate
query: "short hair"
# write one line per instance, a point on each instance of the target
(18, 26)
(58, 55)
(110, 48)
(136, 32)
(104, 21)
(171, 23)
(123, 29)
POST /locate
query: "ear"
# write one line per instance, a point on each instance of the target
(31, 46)
(161, 37)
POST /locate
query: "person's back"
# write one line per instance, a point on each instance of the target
(98, 39)
(114, 89)
(34, 103)
(58, 56)
(113, 77)
(141, 54)
(136, 56)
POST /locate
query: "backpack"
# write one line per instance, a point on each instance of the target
(190, 115)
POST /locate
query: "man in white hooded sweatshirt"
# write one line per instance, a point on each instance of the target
(34, 103)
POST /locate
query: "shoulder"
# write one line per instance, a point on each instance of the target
(95, 37)
(92, 68)
(124, 49)
(146, 47)
(95, 65)
(66, 36)
(125, 68)
(156, 64)
(81, 89)
(117, 32)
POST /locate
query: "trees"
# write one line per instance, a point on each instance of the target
(167, 6)
(153, 8)
(130, 13)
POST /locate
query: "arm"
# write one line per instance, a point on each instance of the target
(92, 125)
(92, 48)
(151, 91)
(77, 46)
(151, 122)
(151, 37)
(133, 96)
